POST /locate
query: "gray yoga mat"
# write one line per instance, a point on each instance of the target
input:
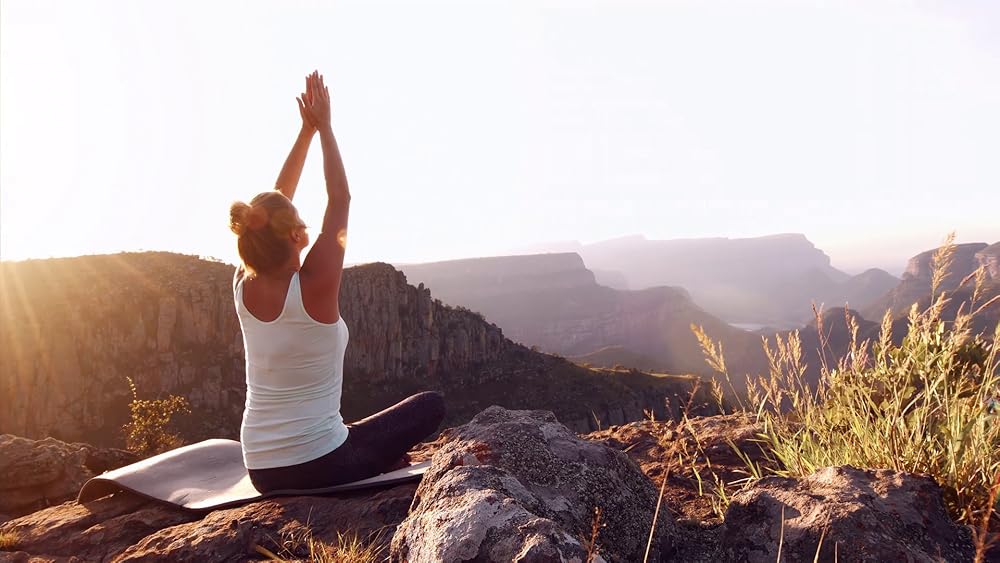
(210, 475)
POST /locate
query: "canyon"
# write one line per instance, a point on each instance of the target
(75, 330)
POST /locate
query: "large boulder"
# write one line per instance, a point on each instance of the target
(95, 531)
(284, 526)
(863, 515)
(35, 474)
(124, 527)
(519, 486)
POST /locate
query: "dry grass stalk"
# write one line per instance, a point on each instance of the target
(593, 550)
(982, 536)
(656, 515)
(348, 548)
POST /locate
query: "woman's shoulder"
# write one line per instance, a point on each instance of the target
(319, 303)
(238, 276)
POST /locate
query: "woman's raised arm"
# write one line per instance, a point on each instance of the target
(291, 171)
(325, 260)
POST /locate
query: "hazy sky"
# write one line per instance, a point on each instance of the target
(472, 128)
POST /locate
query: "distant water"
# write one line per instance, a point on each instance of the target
(749, 327)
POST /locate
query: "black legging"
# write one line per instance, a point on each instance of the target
(373, 445)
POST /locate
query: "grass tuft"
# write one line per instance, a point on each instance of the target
(8, 541)
(348, 548)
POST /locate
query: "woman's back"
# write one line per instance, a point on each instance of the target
(294, 378)
(293, 434)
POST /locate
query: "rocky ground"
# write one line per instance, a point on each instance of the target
(507, 486)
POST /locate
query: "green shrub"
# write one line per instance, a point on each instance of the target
(147, 431)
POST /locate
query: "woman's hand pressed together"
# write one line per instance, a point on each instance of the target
(315, 102)
(304, 100)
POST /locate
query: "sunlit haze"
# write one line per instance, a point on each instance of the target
(474, 128)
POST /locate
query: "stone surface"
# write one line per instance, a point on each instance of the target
(38, 473)
(123, 527)
(864, 515)
(282, 526)
(94, 531)
(519, 486)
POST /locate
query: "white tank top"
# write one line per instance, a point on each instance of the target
(295, 370)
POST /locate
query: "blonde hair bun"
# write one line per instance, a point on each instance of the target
(243, 218)
(262, 228)
(238, 214)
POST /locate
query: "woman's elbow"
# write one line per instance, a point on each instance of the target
(339, 194)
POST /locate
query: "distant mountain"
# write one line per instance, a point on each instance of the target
(480, 278)
(554, 302)
(865, 287)
(771, 280)
(915, 287)
(916, 282)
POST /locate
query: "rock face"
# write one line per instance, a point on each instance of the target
(167, 321)
(37, 474)
(85, 324)
(963, 261)
(915, 286)
(515, 486)
(519, 486)
(989, 258)
(864, 515)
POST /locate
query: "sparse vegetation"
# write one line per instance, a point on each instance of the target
(349, 548)
(8, 541)
(687, 453)
(922, 405)
(147, 431)
(476, 314)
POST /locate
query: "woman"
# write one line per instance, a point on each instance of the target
(293, 435)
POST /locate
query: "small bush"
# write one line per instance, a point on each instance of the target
(146, 432)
